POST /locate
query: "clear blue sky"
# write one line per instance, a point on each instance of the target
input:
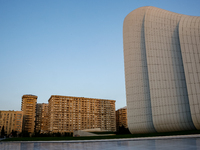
(65, 47)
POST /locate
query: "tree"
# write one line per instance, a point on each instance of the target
(14, 133)
(123, 130)
(2, 132)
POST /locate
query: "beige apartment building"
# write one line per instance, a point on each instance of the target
(121, 118)
(41, 119)
(67, 114)
(11, 120)
(29, 109)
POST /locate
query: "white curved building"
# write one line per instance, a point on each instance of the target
(162, 70)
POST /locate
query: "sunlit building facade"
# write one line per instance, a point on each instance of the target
(121, 118)
(162, 70)
(67, 114)
(28, 107)
(11, 121)
(41, 119)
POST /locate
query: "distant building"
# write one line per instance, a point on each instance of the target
(38, 117)
(11, 121)
(41, 119)
(67, 114)
(29, 109)
(92, 132)
(121, 118)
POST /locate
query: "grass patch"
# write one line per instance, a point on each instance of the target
(103, 132)
(102, 137)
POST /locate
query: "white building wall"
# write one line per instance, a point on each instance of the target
(162, 88)
(136, 74)
(169, 99)
(189, 34)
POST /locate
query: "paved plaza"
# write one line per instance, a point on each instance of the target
(191, 142)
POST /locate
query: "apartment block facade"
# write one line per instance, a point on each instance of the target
(28, 107)
(121, 118)
(67, 114)
(11, 121)
(41, 119)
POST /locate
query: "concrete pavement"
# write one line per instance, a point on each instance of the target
(114, 140)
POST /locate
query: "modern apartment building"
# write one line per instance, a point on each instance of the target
(38, 117)
(121, 118)
(11, 121)
(67, 114)
(41, 119)
(28, 107)
(162, 70)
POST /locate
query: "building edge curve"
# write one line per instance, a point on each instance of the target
(137, 86)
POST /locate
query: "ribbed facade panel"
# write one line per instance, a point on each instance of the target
(189, 33)
(169, 99)
(162, 88)
(136, 74)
